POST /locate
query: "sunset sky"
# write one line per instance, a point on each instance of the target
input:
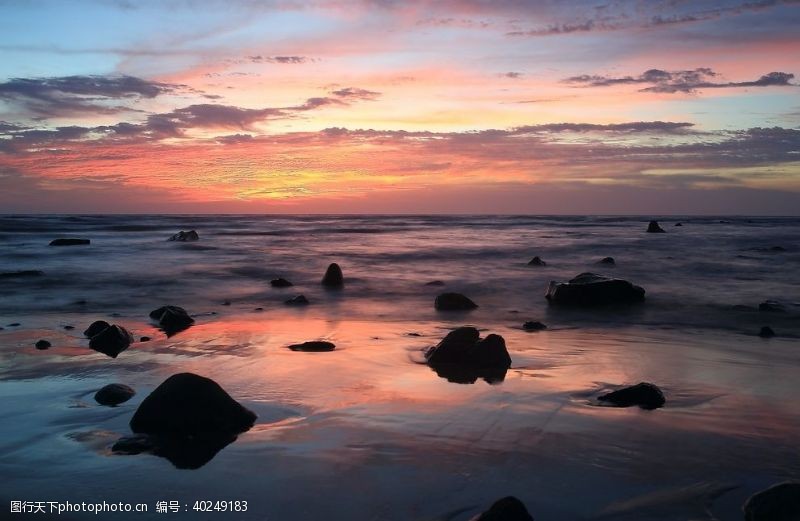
(383, 106)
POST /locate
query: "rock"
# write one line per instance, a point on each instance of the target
(506, 509)
(316, 346)
(589, 289)
(69, 328)
(280, 283)
(186, 405)
(453, 302)
(172, 319)
(299, 300)
(645, 395)
(182, 236)
(144, 339)
(226, 302)
(771, 306)
(532, 325)
(258, 309)
(69, 242)
(21, 274)
(537, 261)
(653, 227)
(462, 356)
(114, 394)
(135, 444)
(13, 324)
(435, 283)
(96, 327)
(609, 261)
(42, 345)
(333, 277)
(779, 502)
(766, 332)
(111, 341)
(777, 248)
(678, 224)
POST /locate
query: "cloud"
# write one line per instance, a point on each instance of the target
(278, 59)
(71, 95)
(513, 75)
(686, 81)
(356, 93)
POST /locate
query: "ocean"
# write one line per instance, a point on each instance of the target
(368, 431)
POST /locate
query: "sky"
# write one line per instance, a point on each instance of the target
(384, 106)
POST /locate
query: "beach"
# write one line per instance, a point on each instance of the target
(368, 430)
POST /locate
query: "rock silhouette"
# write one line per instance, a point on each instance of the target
(114, 394)
(507, 509)
(42, 345)
(463, 357)
(95, 327)
(111, 341)
(172, 319)
(333, 277)
(607, 261)
(182, 236)
(533, 325)
(315, 346)
(766, 332)
(280, 283)
(589, 289)
(537, 261)
(645, 395)
(453, 302)
(299, 300)
(69, 242)
(21, 274)
(779, 502)
(653, 227)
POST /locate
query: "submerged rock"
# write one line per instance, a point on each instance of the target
(609, 261)
(771, 306)
(42, 345)
(172, 319)
(280, 283)
(144, 339)
(645, 395)
(96, 327)
(21, 274)
(299, 300)
(333, 276)
(187, 404)
(315, 346)
(435, 283)
(463, 357)
(507, 509)
(453, 302)
(114, 394)
(590, 289)
(111, 341)
(537, 261)
(653, 227)
(779, 502)
(69, 328)
(533, 325)
(678, 224)
(182, 236)
(766, 332)
(69, 242)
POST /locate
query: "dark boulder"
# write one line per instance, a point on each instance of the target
(280, 283)
(645, 395)
(779, 502)
(435, 283)
(111, 341)
(506, 509)
(21, 274)
(537, 261)
(678, 224)
(608, 261)
(69, 242)
(69, 328)
(172, 319)
(299, 300)
(589, 289)
(653, 227)
(453, 302)
(42, 345)
(533, 325)
(114, 394)
(771, 306)
(333, 277)
(766, 332)
(96, 327)
(316, 346)
(463, 357)
(187, 405)
(182, 236)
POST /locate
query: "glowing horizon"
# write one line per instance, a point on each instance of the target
(366, 106)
